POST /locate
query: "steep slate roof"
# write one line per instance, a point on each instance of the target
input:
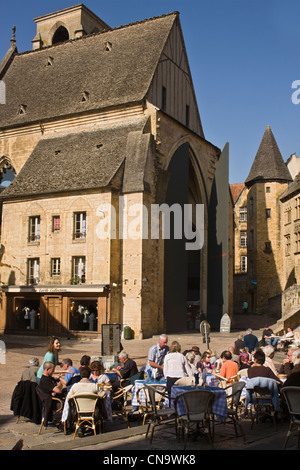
(293, 188)
(74, 162)
(111, 78)
(268, 163)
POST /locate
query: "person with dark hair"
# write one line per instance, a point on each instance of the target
(229, 367)
(85, 361)
(258, 369)
(85, 385)
(97, 374)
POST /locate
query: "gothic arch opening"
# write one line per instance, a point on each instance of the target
(7, 172)
(60, 35)
(182, 265)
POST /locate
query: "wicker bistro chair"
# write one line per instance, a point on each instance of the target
(120, 403)
(159, 416)
(44, 422)
(197, 405)
(86, 411)
(291, 396)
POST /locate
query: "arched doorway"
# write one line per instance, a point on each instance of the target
(182, 265)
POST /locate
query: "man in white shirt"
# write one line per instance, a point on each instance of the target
(85, 386)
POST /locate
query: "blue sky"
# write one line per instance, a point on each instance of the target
(243, 55)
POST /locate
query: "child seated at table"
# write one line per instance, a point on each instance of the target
(205, 363)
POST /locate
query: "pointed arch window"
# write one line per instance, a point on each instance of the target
(7, 172)
(60, 35)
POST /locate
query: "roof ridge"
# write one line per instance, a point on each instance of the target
(176, 13)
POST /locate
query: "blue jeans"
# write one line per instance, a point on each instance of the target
(273, 341)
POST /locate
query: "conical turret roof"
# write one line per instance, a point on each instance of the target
(268, 163)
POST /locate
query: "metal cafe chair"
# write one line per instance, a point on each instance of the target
(158, 415)
(197, 405)
(291, 396)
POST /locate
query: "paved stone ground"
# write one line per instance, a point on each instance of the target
(116, 436)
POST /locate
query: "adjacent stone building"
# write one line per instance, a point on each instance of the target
(101, 125)
(267, 214)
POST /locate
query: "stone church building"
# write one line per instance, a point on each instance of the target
(99, 126)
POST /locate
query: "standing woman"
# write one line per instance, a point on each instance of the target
(50, 356)
(176, 366)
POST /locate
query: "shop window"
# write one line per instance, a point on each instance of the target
(26, 314)
(33, 272)
(34, 229)
(83, 314)
(78, 270)
(79, 225)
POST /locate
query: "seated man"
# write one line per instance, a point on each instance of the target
(128, 367)
(72, 374)
(85, 385)
(287, 366)
(48, 387)
(229, 368)
(48, 384)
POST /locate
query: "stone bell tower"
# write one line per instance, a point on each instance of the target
(69, 23)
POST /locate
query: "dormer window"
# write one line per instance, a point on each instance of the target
(84, 96)
(49, 61)
(108, 46)
(22, 109)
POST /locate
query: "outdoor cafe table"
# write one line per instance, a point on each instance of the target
(65, 412)
(219, 404)
(139, 384)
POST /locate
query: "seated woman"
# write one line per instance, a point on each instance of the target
(244, 361)
(205, 363)
(97, 374)
(287, 339)
(175, 366)
(191, 360)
